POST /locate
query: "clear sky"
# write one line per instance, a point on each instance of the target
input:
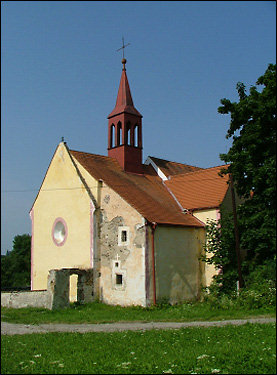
(61, 72)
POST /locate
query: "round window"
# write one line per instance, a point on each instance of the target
(59, 232)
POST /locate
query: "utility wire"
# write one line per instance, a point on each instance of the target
(91, 187)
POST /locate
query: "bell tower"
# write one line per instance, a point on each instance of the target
(124, 129)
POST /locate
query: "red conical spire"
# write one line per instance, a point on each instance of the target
(124, 129)
(124, 101)
(124, 96)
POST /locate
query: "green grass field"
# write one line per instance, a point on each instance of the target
(100, 313)
(247, 349)
(243, 349)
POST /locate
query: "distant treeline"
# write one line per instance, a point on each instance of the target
(16, 265)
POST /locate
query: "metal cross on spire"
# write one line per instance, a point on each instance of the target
(123, 46)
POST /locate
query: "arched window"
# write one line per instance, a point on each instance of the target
(112, 136)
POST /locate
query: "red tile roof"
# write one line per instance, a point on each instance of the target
(146, 193)
(200, 189)
(171, 168)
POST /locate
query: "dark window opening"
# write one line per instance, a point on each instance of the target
(118, 279)
(116, 264)
(124, 236)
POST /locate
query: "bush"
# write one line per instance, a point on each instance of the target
(259, 290)
(255, 299)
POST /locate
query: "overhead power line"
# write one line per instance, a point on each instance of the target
(91, 187)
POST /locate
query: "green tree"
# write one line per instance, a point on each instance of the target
(252, 159)
(219, 250)
(16, 264)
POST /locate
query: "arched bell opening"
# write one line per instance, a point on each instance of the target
(119, 134)
(112, 136)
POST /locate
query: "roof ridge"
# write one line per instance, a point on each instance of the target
(175, 162)
(203, 170)
(89, 153)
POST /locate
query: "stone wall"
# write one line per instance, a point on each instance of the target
(58, 286)
(57, 294)
(18, 300)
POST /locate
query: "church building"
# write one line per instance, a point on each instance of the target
(139, 226)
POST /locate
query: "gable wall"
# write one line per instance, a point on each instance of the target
(62, 195)
(205, 215)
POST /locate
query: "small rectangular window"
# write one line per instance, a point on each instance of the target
(118, 279)
(124, 236)
(116, 264)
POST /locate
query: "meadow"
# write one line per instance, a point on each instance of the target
(246, 349)
(101, 313)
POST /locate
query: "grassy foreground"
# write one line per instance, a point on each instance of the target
(100, 313)
(247, 349)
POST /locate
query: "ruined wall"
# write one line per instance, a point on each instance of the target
(122, 244)
(63, 196)
(59, 286)
(57, 295)
(178, 270)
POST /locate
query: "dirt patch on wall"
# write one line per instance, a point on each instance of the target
(109, 241)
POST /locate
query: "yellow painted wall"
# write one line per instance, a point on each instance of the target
(63, 195)
(206, 214)
(214, 214)
(73, 280)
(178, 270)
(210, 269)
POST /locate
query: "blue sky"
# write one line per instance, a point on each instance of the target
(61, 72)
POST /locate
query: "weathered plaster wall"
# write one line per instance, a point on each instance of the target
(119, 257)
(178, 270)
(62, 195)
